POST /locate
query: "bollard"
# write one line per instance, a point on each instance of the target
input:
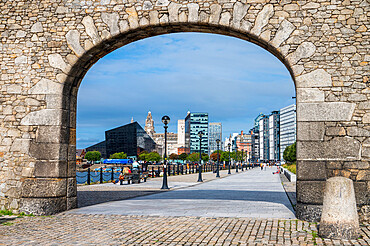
(112, 175)
(152, 172)
(339, 218)
(101, 175)
(173, 170)
(88, 176)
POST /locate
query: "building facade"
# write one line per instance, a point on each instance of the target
(149, 124)
(181, 133)
(131, 139)
(244, 144)
(274, 136)
(101, 147)
(288, 127)
(194, 123)
(172, 147)
(264, 139)
(215, 132)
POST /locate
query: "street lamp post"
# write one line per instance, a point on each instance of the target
(218, 158)
(229, 145)
(166, 121)
(236, 159)
(242, 158)
(200, 134)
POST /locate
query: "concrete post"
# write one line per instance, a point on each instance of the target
(339, 219)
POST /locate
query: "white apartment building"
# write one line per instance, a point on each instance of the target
(288, 127)
(181, 133)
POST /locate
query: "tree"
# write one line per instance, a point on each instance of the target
(153, 156)
(290, 153)
(224, 156)
(143, 156)
(214, 156)
(183, 156)
(173, 156)
(93, 156)
(205, 157)
(120, 155)
(193, 157)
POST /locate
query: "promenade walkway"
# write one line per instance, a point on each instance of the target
(248, 208)
(251, 194)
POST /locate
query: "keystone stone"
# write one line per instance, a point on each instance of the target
(193, 12)
(215, 13)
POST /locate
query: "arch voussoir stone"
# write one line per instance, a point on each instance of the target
(44, 61)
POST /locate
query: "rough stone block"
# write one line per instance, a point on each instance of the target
(307, 212)
(325, 111)
(362, 193)
(43, 206)
(43, 117)
(44, 187)
(71, 202)
(310, 192)
(71, 169)
(71, 187)
(49, 168)
(310, 95)
(52, 134)
(311, 170)
(317, 78)
(49, 151)
(310, 131)
(344, 148)
(356, 165)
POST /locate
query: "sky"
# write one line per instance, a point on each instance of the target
(231, 79)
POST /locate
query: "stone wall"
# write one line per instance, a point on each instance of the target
(47, 47)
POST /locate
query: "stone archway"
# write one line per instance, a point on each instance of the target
(48, 46)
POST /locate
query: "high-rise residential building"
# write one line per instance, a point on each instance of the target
(215, 132)
(194, 123)
(264, 138)
(255, 156)
(149, 124)
(288, 127)
(274, 136)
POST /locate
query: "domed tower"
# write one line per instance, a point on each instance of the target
(149, 125)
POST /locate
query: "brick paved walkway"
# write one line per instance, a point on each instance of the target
(98, 229)
(72, 229)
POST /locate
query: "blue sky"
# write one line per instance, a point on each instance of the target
(231, 79)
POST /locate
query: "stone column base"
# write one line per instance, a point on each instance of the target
(307, 212)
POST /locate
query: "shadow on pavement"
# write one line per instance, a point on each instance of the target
(87, 198)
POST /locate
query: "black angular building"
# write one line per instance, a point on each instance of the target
(131, 139)
(98, 147)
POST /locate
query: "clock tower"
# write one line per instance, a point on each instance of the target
(149, 125)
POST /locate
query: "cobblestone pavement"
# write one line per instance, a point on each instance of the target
(73, 229)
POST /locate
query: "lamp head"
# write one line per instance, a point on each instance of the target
(200, 134)
(166, 120)
(218, 141)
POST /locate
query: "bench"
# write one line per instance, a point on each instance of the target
(127, 177)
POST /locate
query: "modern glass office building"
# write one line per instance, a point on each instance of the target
(131, 139)
(288, 127)
(99, 147)
(215, 132)
(194, 123)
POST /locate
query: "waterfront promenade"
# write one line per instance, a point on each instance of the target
(249, 208)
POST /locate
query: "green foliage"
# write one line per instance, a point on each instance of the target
(153, 156)
(120, 155)
(205, 157)
(93, 156)
(173, 156)
(143, 155)
(7, 223)
(290, 153)
(193, 157)
(183, 156)
(213, 156)
(6, 212)
(291, 167)
(225, 156)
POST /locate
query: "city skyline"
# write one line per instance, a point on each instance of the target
(170, 74)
